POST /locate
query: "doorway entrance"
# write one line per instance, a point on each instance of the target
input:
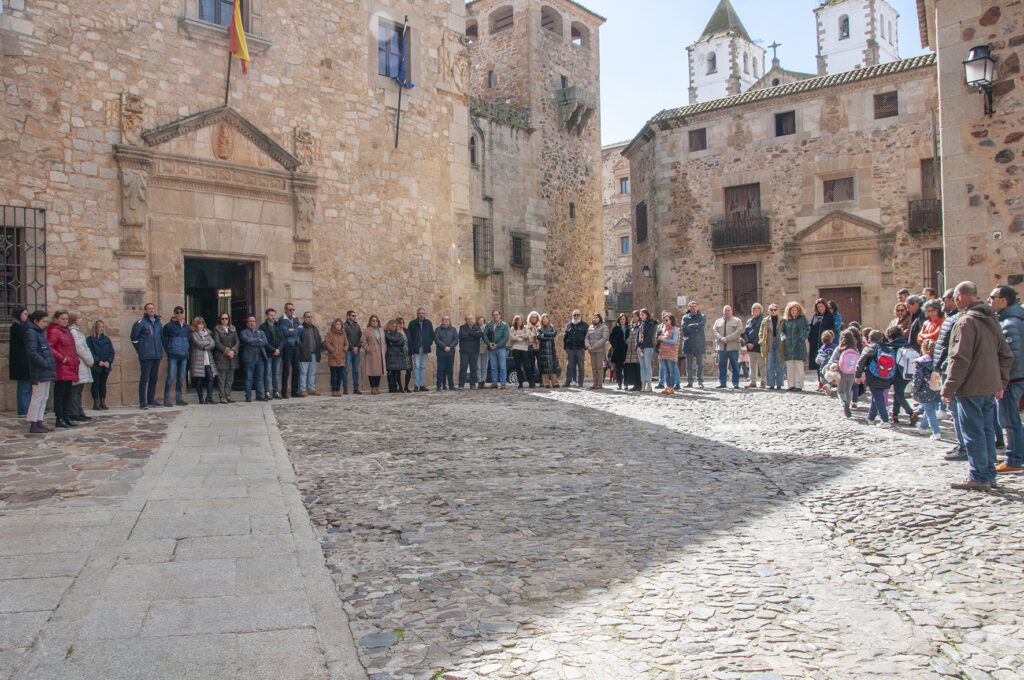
(848, 301)
(216, 286)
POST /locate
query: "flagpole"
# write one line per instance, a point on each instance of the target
(401, 86)
(227, 85)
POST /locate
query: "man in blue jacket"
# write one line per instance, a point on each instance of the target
(147, 339)
(254, 358)
(291, 326)
(1011, 319)
(447, 339)
(421, 342)
(175, 338)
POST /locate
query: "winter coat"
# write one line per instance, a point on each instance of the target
(254, 345)
(767, 336)
(496, 333)
(42, 366)
(632, 355)
(274, 335)
(85, 358)
(521, 338)
(547, 359)
(102, 350)
(916, 324)
(147, 338)
(941, 352)
(866, 357)
(646, 334)
(839, 323)
(373, 352)
(825, 353)
(597, 338)
(354, 334)
(619, 339)
(979, 356)
(176, 339)
(793, 338)
(903, 323)
(469, 338)
(408, 350)
(62, 344)
(669, 341)
(930, 330)
(727, 333)
(291, 331)
(446, 336)
(310, 343)
(897, 345)
(223, 340)
(421, 336)
(1011, 320)
(819, 324)
(336, 344)
(751, 333)
(394, 355)
(921, 391)
(694, 329)
(18, 361)
(575, 335)
(200, 353)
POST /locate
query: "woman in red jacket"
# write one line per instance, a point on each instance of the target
(62, 345)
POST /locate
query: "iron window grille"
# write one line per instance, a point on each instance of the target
(22, 259)
(483, 246)
(520, 250)
(641, 222)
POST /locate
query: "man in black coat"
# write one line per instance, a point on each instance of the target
(470, 334)
(421, 343)
(575, 344)
(751, 339)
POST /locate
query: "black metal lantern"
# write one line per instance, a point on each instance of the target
(980, 71)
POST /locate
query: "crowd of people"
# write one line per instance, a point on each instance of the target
(962, 359)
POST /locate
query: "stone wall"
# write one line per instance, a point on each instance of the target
(618, 266)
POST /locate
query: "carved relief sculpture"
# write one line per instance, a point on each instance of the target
(223, 142)
(453, 62)
(134, 199)
(305, 208)
(131, 119)
(306, 147)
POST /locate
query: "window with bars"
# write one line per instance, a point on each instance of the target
(216, 11)
(520, 250)
(483, 246)
(887, 105)
(837, 190)
(389, 49)
(22, 259)
(641, 222)
(785, 123)
(699, 139)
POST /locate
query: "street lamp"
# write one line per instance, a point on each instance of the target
(647, 272)
(979, 72)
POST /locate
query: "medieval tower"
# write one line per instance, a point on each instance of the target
(855, 34)
(724, 60)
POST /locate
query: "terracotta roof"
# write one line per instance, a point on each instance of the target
(798, 87)
(724, 20)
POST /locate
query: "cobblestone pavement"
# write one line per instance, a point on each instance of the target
(717, 534)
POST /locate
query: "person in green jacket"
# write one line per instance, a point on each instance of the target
(794, 333)
(496, 337)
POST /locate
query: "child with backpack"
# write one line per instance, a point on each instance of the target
(877, 368)
(845, 366)
(927, 388)
(828, 346)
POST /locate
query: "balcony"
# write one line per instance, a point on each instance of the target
(577, 106)
(753, 233)
(925, 215)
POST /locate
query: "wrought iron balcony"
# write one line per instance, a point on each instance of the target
(752, 233)
(925, 215)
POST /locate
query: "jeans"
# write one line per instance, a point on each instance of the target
(307, 375)
(337, 374)
(419, 369)
(646, 369)
(148, 370)
(254, 374)
(176, 367)
(774, 376)
(269, 370)
(931, 416)
(99, 383)
(37, 404)
(979, 436)
(879, 405)
(468, 362)
(521, 360)
(694, 367)
(574, 366)
(76, 400)
(899, 398)
(207, 382)
(24, 396)
(728, 359)
(290, 367)
(445, 368)
(1009, 419)
(668, 371)
(498, 367)
(351, 362)
(62, 406)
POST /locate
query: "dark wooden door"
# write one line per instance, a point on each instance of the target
(744, 288)
(243, 293)
(847, 299)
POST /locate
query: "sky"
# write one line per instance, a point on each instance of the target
(643, 50)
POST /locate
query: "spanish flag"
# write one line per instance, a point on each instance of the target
(237, 35)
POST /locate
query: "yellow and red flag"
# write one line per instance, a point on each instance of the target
(237, 36)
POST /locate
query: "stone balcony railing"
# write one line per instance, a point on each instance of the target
(577, 106)
(925, 215)
(741, 234)
(500, 112)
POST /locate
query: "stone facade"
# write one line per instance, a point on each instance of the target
(983, 213)
(825, 209)
(618, 258)
(296, 185)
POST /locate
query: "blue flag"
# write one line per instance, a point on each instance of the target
(403, 76)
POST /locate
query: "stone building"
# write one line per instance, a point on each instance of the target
(855, 34)
(821, 187)
(983, 213)
(618, 230)
(128, 176)
(723, 60)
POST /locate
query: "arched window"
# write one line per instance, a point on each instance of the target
(755, 68)
(472, 150)
(844, 27)
(746, 63)
(472, 31)
(712, 63)
(881, 24)
(491, 80)
(551, 20)
(580, 35)
(501, 19)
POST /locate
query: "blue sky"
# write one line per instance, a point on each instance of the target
(643, 49)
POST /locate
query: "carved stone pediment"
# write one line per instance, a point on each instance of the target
(221, 134)
(839, 225)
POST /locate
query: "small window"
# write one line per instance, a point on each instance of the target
(217, 12)
(746, 63)
(624, 245)
(501, 19)
(890, 33)
(698, 139)
(472, 150)
(837, 190)
(520, 250)
(785, 123)
(551, 20)
(389, 48)
(491, 80)
(775, 82)
(472, 31)
(844, 27)
(572, 211)
(641, 222)
(881, 24)
(623, 185)
(887, 105)
(564, 82)
(712, 63)
(755, 69)
(579, 35)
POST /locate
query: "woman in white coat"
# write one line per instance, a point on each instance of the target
(84, 365)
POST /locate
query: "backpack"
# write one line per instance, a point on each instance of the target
(883, 366)
(848, 361)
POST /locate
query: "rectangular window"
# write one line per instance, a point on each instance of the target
(887, 105)
(785, 123)
(641, 222)
(218, 12)
(565, 82)
(490, 80)
(483, 246)
(743, 203)
(623, 185)
(698, 139)
(624, 245)
(520, 250)
(744, 290)
(837, 190)
(22, 259)
(389, 48)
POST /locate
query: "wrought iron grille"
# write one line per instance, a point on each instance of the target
(925, 215)
(483, 246)
(22, 259)
(753, 232)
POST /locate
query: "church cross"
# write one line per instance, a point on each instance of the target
(775, 46)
